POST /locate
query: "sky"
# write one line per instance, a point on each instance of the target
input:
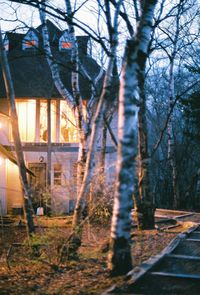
(10, 12)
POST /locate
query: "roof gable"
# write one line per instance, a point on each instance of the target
(31, 73)
(30, 40)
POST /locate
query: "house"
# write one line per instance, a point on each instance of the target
(42, 114)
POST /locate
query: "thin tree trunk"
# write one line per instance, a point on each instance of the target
(74, 101)
(145, 205)
(80, 122)
(119, 259)
(171, 142)
(96, 127)
(102, 156)
(16, 137)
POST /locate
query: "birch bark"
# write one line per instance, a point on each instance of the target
(119, 259)
(80, 122)
(98, 121)
(16, 137)
(171, 141)
(144, 204)
(73, 100)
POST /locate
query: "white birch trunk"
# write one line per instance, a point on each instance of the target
(74, 100)
(97, 124)
(144, 204)
(16, 137)
(171, 143)
(51, 62)
(119, 260)
(80, 122)
(93, 144)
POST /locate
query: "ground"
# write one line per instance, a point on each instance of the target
(25, 272)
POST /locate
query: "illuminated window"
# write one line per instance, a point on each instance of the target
(33, 121)
(43, 121)
(66, 45)
(66, 41)
(30, 41)
(57, 174)
(68, 130)
(26, 117)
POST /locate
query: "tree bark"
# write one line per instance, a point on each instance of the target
(145, 205)
(171, 141)
(119, 259)
(73, 100)
(93, 144)
(120, 248)
(102, 158)
(16, 137)
(97, 126)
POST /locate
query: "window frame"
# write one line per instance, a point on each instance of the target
(57, 174)
(30, 41)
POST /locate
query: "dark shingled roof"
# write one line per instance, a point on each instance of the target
(31, 74)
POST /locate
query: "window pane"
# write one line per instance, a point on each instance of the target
(43, 122)
(66, 45)
(68, 131)
(57, 174)
(26, 117)
(53, 121)
(30, 43)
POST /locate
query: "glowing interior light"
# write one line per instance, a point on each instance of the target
(1, 125)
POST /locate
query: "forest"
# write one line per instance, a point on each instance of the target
(147, 88)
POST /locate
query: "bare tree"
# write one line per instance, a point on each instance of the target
(16, 137)
(120, 260)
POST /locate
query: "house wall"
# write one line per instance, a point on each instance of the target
(3, 203)
(4, 129)
(62, 196)
(13, 187)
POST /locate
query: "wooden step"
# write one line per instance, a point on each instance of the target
(194, 235)
(192, 240)
(187, 257)
(157, 283)
(178, 264)
(176, 275)
(189, 247)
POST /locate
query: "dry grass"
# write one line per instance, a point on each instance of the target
(86, 275)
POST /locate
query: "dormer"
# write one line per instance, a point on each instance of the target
(30, 41)
(65, 41)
